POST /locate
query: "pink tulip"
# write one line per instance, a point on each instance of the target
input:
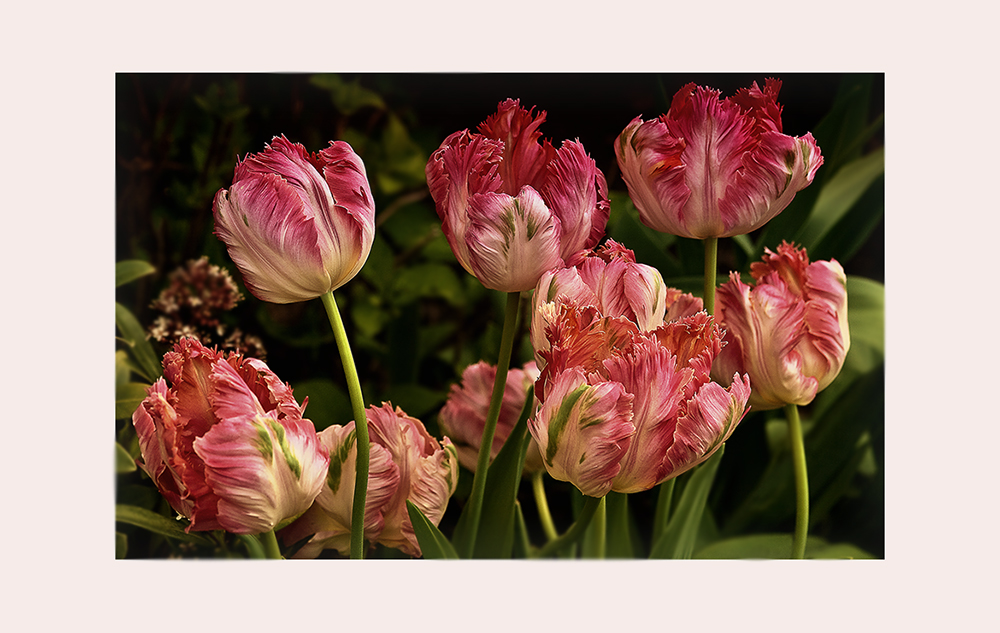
(463, 417)
(714, 167)
(297, 225)
(609, 279)
(405, 463)
(226, 443)
(624, 410)
(788, 331)
(513, 207)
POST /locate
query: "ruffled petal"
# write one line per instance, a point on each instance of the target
(524, 158)
(577, 193)
(512, 241)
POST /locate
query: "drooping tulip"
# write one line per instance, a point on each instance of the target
(624, 410)
(463, 416)
(511, 206)
(788, 331)
(226, 443)
(406, 463)
(714, 167)
(609, 279)
(297, 225)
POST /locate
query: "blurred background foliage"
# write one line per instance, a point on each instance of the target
(416, 318)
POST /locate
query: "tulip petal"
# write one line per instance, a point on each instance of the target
(583, 431)
(711, 417)
(577, 193)
(512, 241)
(524, 158)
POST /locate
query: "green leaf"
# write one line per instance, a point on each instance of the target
(839, 195)
(770, 546)
(680, 537)
(497, 522)
(255, 548)
(156, 523)
(433, 544)
(856, 227)
(348, 98)
(133, 335)
(328, 403)
(130, 270)
(121, 545)
(522, 545)
(127, 399)
(866, 323)
(425, 281)
(123, 461)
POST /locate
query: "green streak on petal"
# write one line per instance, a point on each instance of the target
(263, 443)
(558, 424)
(583, 457)
(286, 450)
(532, 227)
(245, 221)
(337, 459)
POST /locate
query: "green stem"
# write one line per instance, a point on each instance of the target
(538, 486)
(360, 426)
(600, 523)
(711, 264)
(801, 481)
(573, 534)
(270, 543)
(499, 386)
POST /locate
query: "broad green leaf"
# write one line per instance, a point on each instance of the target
(121, 545)
(619, 531)
(328, 403)
(425, 281)
(839, 195)
(416, 400)
(680, 537)
(156, 523)
(123, 461)
(650, 247)
(866, 322)
(855, 229)
(123, 370)
(127, 399)
(522, 545)
(497, 522)
(130, 270)
(433, 543)
(133, 335)
(771, 546)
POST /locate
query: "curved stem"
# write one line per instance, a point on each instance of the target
(573, 534)
(711, 264)
(270, 543)
(360, 426)
(801, 481)
(538, 486)
(499, 385)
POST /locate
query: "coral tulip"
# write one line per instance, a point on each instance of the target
(463, 417)
(406, 463)
(625, 410)
(513, 207)
(226, 443)
(609, 279)
(713, 167)
(297, 225)
(788, 331)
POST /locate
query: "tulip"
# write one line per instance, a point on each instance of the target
(226, 443)
(609, 279)
(463, 416)
(513, 207)
(406, 464)
(625, 410)
(713, 167)
(297, 225)
(788, 331)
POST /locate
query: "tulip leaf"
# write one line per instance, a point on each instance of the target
(839, 195)
(522, 544)
(855, 229)
(156, 523)
(680, 537)
(121, 545)
(427, 280)
(765, 546)
(619, 527)
(130, 270)
(497, 522)
(133, 335)
(328, 403)
(650, 246)
(123, 461)
(127, 399)
(254, 547)
(433, 544)
(866, 324)
(348, 98)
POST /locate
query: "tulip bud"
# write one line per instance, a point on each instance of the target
(226, 443)
(788, 331)
(463, 417)
(297, 225)
(714, 167)
(406, 463)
